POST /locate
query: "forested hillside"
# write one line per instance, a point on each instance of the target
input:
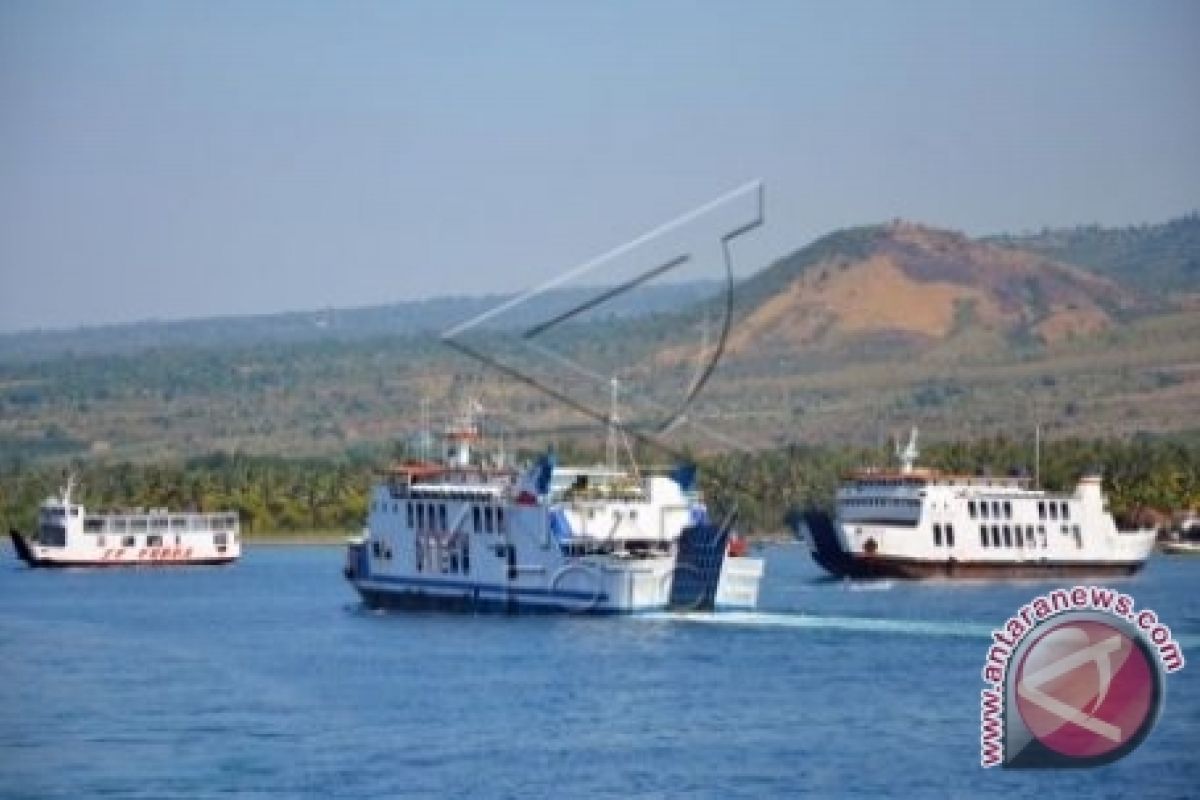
(1152, 258)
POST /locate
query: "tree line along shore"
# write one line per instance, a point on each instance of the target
(323, 499)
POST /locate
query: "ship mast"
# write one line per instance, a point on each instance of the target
(616, 434)
(1037, 456)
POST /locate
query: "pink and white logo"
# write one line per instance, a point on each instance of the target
(1074, 679)
(1085, 689)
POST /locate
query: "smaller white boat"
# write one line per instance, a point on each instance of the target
(68, 535)
(1186, 541)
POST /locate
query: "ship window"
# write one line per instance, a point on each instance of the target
(937, 535)
(996, 509)
(375, 549)
(442, 516)
(419, 549)
(1041, 509)
(429, 515)
(995, 536)
(949, 536)
(220, 539)
(179, 523)
(500, 520)
(1007, 510)
(488, 521)
(1030, 538)
(154, 540)
(1054, 511)
(100, 541)
(137, 524)
(129, 541)
(93, 524)
(74, 511)
(476, 522)
(983, 509)
(1042, 535)
(178, 539)
(1066, 513)
(1078, 537)
(409, 507)
(118, 525)
(1008, 542)
(971, 508)
(983, 535)
(53, 536)
(466, 555)
(420, 515)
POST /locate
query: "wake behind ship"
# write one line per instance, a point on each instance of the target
(919, 523)
(600, 540)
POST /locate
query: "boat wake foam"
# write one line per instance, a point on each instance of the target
(768, 619)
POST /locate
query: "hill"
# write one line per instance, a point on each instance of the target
(1153, 258)
(846, 340)
(409, 318)
(910, 283)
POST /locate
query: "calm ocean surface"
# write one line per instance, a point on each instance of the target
(265, 679)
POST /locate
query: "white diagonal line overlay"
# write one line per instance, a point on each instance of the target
(1029, 686)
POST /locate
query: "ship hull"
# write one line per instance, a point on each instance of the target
(827, 551)
(26, 554)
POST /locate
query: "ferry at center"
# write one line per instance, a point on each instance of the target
(465, 535)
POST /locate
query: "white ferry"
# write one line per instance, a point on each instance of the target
(601, 540)
(68, 535)
(921, 523)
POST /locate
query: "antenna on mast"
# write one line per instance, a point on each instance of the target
(614, 420)
(616, 434)
(908, 457)
(1037, 455)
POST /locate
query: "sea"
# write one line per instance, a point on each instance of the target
(267, 679)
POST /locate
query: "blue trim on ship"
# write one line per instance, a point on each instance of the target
(496, 588)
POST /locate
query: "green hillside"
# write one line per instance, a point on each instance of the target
(1151, 258)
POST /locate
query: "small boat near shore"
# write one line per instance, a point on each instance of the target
(68, 535)
(917, 523)
(1180, 547)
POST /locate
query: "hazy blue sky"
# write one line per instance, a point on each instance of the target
(188, 159)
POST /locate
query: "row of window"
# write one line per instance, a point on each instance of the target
(449, 557)
(943, 534)
(1016, 536)
(1051, 509)
(423, 516)
(56, 536)
(1055, 509)
(199, 522)
(875, 502)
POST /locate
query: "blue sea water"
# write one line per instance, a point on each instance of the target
(266, 679)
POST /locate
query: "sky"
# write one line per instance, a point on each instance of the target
(189, 159)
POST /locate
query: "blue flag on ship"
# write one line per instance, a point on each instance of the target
(685, 476)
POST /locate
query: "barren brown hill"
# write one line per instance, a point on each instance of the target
(910, 283)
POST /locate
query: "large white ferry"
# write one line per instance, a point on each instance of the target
(461, 535)
(68, 535)
(920, 523)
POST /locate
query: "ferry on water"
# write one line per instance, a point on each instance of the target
(68, 535)
(921, 523)
(463, 535)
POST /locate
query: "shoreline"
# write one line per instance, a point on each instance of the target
(296, 539)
